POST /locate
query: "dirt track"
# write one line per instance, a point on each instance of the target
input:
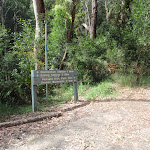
(122, 123)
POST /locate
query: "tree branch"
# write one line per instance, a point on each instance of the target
(86, 26)
(87, 11)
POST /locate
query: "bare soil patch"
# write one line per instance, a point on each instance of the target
(121, 123)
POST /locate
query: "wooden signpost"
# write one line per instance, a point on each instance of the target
(51, 77)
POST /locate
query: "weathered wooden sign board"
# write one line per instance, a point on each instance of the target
(51, 77)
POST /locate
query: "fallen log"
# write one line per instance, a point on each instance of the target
(29, 120)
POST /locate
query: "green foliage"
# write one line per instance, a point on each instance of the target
(124, 79)
(145, 80)
(5, 65)
(8, 87)
(4, 39)
(128, 45)
(23, 45)
(86, 56)
(61, 94)
(12, 11)
(16, 68)
(129, 79)
(58, 36)
(141, 30)
(101, 90)
(7, 110)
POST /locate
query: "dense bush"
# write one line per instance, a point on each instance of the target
(16, 66)
(87, 57)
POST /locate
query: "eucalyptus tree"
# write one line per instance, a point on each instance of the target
(90, 24)
(39, 12)
(108, 9)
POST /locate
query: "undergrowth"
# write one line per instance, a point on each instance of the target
(65, 93)
(97, 91)
(7, 110)
(60, 95)
(129, 80)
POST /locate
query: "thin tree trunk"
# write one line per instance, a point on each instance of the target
(15, 21)
(108, 11)
(106, 8)
(2, 14)
(72, 22)
(125, 11)
(93, 19)
(70, 32)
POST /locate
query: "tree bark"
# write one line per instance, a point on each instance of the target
(93, 19)
(39, 12)
(29, 120)
(2, 14)
(108, 12)
(72, 22)
(92, 22)
(15, 20)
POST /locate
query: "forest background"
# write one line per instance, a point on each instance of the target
(96, 37)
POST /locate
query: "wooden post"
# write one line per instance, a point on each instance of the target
(33, 92)
(34, 98)
(75, 91)
(46, 60)
(75, 86)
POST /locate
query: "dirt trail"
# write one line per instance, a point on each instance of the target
(121, 123)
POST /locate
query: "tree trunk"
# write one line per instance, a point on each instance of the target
(2, 14)
(125, 9)
(29, 120)
(72, 22)
(70, 32)
(106, 8)
(92, 22)
(108, 12)
(93, 19)
(39, 12)
(15, 21)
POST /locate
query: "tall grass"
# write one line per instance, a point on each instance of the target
(7, 110)
(145, 80)
(130, 79)
(100, 90)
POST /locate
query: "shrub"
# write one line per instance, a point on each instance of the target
(16, 68)
(86, 57)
